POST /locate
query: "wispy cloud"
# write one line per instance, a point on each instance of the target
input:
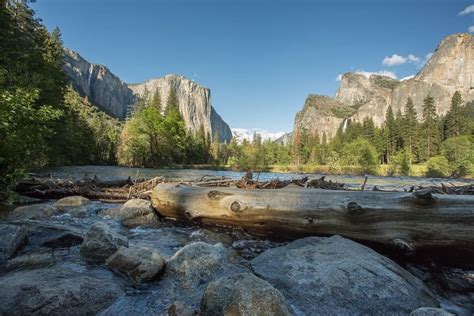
(471, 29)
(467, 10)
(396, 60)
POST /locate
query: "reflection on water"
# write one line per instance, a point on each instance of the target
(114, 172)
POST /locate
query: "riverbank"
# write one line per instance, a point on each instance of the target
(384, 170)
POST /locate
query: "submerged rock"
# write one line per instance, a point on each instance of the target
(54, 291)
(243, 294)
(135, 212)
(100, 242)
(138, 264)
(12, 238)
(430, 311)
(30, 261)
(334, 276)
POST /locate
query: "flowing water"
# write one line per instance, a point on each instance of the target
(146, 299)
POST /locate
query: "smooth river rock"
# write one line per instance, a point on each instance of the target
(72, 201)
(197, 263)
(12, 238)
(135, 212)
(138, 264)
(243, 294)
(55, 291)
(336, 276)
(100, 242)
(34, 212)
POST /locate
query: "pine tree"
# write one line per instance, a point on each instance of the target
(172, 103)
(156, 100)
(455, 120)
(430, 127)
(410, 128)
(390, 134)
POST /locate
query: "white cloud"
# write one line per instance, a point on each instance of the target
(413, 59)
(467, 10)
(407, 77)
(394, 60)
(471, 29)
(244, 133)
(428, 56)
(387, 73)
(339, 77)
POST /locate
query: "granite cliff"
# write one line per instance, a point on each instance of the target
(113, 96)
(450, 69)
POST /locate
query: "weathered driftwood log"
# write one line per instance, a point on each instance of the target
(411, 222)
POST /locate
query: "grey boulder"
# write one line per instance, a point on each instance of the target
(334, 276)
(53, 291)
(138, 264)
(243, 294)
(12, 238)
(197, 263)
(100, 242)
(34, 212)
(135, 212)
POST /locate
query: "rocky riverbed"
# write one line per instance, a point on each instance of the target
(78, 257)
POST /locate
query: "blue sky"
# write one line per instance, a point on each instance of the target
(260, 58)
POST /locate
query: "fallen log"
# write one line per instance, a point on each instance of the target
(420, 222)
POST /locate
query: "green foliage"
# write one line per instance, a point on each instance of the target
(362, 154)
(400, 164)
(438, 166)
(459, 151)
(42, 122)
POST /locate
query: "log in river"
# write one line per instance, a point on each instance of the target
(421, 222)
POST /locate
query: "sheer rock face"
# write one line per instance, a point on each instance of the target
(116, 98)
(99, 84)
(194, 103)
(450, 69)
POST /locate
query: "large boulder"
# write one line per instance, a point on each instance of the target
(334, 276)
(135, 212)
(53, 291)
(243, 294)
(100, 242)
(197, 263)
(12, 238)
(34, 212)
(138, 264)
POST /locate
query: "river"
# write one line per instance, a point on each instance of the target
(115, 172)
(51, 255)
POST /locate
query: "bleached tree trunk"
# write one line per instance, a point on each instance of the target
(411, 222)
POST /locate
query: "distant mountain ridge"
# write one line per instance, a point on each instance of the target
(115, 97)
(450, 69)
